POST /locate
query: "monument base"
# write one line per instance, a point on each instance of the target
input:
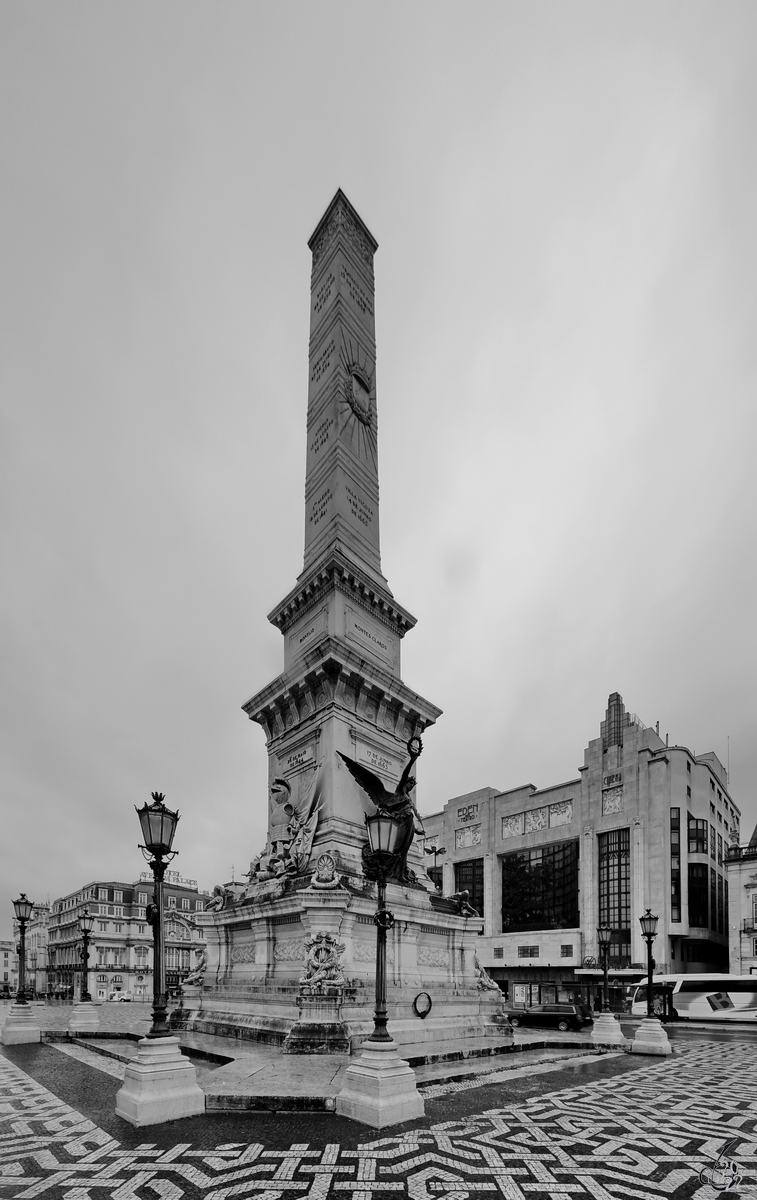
(379, 1089)
(606, 1030)
(159, 1085)
(84, 1019)
(651, 1038)
(20, 1026)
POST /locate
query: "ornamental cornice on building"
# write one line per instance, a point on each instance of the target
(338, 572)
(324, 676)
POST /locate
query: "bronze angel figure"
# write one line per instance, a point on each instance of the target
(398, 803)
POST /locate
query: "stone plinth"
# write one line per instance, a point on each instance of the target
(607, 1030)
(159, 1085)
(651, 1038)
(85, 1018)
(379, 1089)
(319, 1029)
(20, 1026)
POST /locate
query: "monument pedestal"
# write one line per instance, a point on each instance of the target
(84, 1019)
(20, 1026)
(159, 1085)
(651, 1038)
(379, 1089)
(606, 1030)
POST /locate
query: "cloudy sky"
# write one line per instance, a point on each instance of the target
(564, 199)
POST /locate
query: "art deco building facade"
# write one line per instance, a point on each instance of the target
(643, 825)
(121, 945)
(742, 907)
(8, 969)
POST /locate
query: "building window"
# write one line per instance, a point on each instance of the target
(199, 905)
(688, 792)
(688, 766)
(720, 818)
(698, 915)
(697, 836)
(540, 887)
(103, 926)
(141, 928)
(713, 899)
(615, 893)
(712, 807)
(566, 951)
(102, 893)
(499, 952)
(436, 875)
(118, 928)
(712, 842)
(141, 897)
(675, 864)
(528, 951)
(172, 902)
(469, 877)
(721, 906)
(118, 897)
(102, 978)
(720, 851)
(185, 904)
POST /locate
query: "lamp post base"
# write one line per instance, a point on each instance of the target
(84, 1019)
(20, 1026)
(159, 1085)
(607, 1030)
(379, 1089)
(651, 1038)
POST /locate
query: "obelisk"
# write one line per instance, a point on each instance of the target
(341, 688)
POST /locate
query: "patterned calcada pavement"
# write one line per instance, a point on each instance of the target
(656, 1131)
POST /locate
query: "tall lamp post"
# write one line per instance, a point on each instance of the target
(19, 1024)
(161, 1083)
(651, 1037)
(23, 909)
(158, 830)
(383, 836)
(604, 933)
(437, 852)
(86, 925)
(649, 932)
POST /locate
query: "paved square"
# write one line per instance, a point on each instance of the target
(644, 1134)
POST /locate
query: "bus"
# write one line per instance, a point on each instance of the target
(696, 997)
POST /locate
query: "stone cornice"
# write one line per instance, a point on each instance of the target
(336, 571)
(322, 677)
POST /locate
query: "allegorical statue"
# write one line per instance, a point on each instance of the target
(398, 803)
(291, 829)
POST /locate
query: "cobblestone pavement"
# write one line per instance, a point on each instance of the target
(643, 1129)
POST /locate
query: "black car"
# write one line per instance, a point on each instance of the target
(559, 1016)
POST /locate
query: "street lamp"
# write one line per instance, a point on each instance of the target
(23, 910)
(86, 925)
(383, 839)
(649, 932)
(158, 828)
(604, 933)
(437, 852)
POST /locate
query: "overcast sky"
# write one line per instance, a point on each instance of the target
(564, 200)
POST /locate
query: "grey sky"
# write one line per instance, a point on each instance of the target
(564, 198)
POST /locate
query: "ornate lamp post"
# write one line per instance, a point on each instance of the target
(160, 1084)
(158, 829)
(23, 909)
(649, 932)
(86, 925)
(383, 838)
(650, 1037)
(604, 933)
(19, 1025)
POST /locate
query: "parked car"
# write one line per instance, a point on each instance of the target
(559, 1016)
(119, 996)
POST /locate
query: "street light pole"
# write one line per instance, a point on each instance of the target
(604, 933)
(86, 925)
(23, 910)
(649, 932)
(158, 829)
(19, 1024)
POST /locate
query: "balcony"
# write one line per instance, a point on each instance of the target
(749, 925)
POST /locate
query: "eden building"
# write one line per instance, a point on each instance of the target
(643, 825)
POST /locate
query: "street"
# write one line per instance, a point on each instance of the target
(609, 1125)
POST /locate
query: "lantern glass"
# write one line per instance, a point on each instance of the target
(22, 907)
(86, 922)
(383, 833)
(604, 933)
(158, 827)
(648, 924)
